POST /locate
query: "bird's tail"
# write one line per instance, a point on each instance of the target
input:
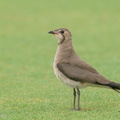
(114, 86)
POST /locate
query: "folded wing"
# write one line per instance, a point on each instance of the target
(79, 74)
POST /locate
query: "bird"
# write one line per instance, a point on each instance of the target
(73, 71)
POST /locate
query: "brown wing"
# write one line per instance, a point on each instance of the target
(78, 74)
(77, 61)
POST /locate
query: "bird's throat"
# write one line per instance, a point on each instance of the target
(64, 50)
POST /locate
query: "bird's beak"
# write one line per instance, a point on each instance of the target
(51, 32)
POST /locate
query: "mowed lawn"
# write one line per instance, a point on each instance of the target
(29, 89)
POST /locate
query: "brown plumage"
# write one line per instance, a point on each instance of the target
(72, 70)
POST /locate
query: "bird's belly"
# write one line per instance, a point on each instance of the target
(67, 81)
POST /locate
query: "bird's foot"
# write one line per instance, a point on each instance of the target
(78, 109)
(74, 109)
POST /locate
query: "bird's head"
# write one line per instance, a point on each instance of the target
(61, 34)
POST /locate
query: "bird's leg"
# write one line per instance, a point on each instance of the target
(74, 101)
(78, 92)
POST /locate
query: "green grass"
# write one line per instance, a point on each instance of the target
(29, 89)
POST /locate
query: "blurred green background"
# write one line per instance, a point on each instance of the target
(29, 89)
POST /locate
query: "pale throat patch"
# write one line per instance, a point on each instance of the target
(59, 37)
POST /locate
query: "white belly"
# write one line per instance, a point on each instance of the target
(67, 81)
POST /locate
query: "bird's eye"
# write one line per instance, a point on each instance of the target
(62, 31)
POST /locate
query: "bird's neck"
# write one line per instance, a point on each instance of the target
(64, 51)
